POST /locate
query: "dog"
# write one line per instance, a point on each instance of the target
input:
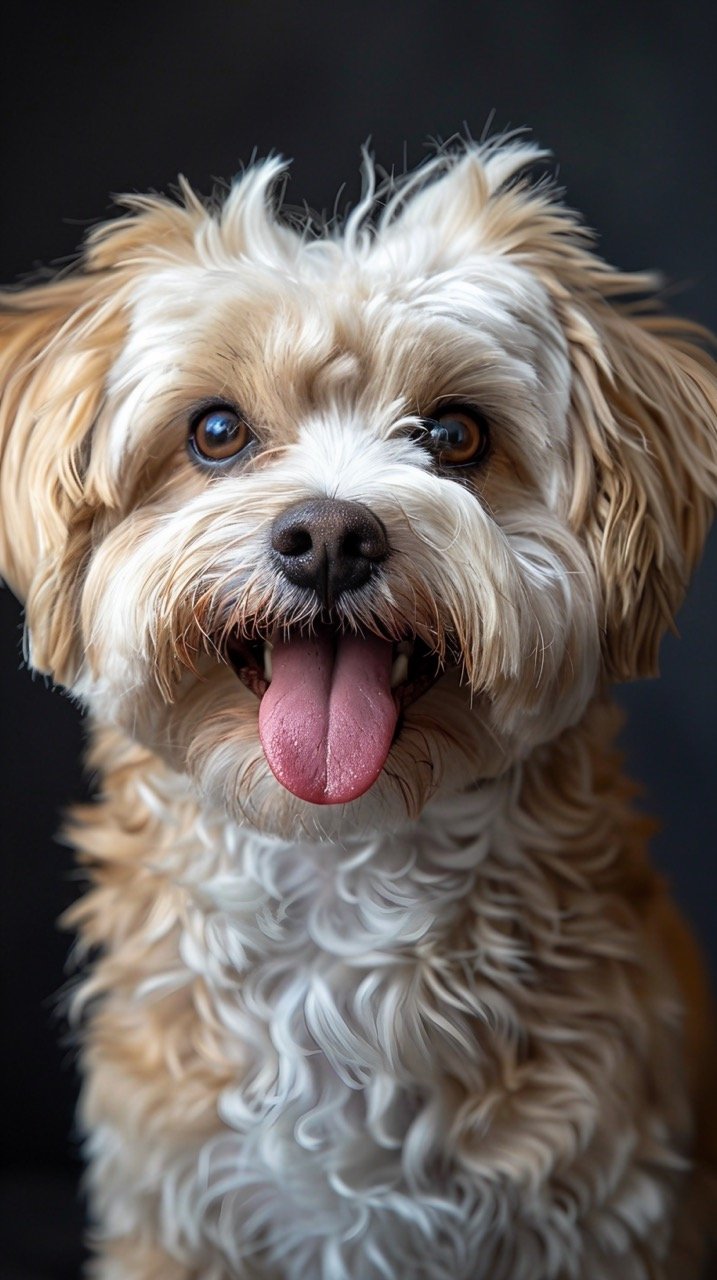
(340, 533)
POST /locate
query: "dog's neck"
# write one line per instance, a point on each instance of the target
(552, 819)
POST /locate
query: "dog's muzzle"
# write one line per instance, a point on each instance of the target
(331, 696)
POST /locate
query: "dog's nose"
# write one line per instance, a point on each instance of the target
(328, 545)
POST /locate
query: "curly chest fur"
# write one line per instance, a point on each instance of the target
(458, 1039)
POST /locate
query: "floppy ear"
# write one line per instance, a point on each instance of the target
(51, 381)
(57, 343)
(645, 450)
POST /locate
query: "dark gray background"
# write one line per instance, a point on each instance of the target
(123, 97)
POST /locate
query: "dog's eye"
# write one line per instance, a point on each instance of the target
(458, 436)
(219, 433)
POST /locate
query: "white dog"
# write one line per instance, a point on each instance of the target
(339, 535)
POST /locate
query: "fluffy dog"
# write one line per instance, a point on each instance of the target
(339, 534)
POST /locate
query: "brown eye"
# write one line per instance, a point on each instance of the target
(458, 436)
(219, 433)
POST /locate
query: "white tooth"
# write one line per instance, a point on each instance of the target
(267, 660)
(399, 670)
(405, 646)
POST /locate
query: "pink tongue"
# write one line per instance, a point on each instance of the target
(328, 717)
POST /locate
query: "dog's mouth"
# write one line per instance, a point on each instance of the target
(331, 703)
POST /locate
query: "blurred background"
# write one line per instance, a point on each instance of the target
(123, 97)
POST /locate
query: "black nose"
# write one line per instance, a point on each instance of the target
(328, 545)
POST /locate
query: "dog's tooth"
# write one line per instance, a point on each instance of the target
(267, 660)
(399, 670)
(405, 646)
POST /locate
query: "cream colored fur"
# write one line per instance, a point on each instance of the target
(453, 1029)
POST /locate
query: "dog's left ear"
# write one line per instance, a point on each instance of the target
(644, 391)
(644, 405)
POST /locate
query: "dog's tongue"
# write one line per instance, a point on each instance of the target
(328, 717)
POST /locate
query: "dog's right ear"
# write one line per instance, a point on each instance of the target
(58, 340)
(53, 355)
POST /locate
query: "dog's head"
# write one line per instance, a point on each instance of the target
(351, 518)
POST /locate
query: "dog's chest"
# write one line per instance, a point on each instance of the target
(318, 969)
(371, 1003)
(321, 977)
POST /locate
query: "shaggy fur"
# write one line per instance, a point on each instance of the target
(453, 1029)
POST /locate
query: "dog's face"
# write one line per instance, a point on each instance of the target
(335, 524)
